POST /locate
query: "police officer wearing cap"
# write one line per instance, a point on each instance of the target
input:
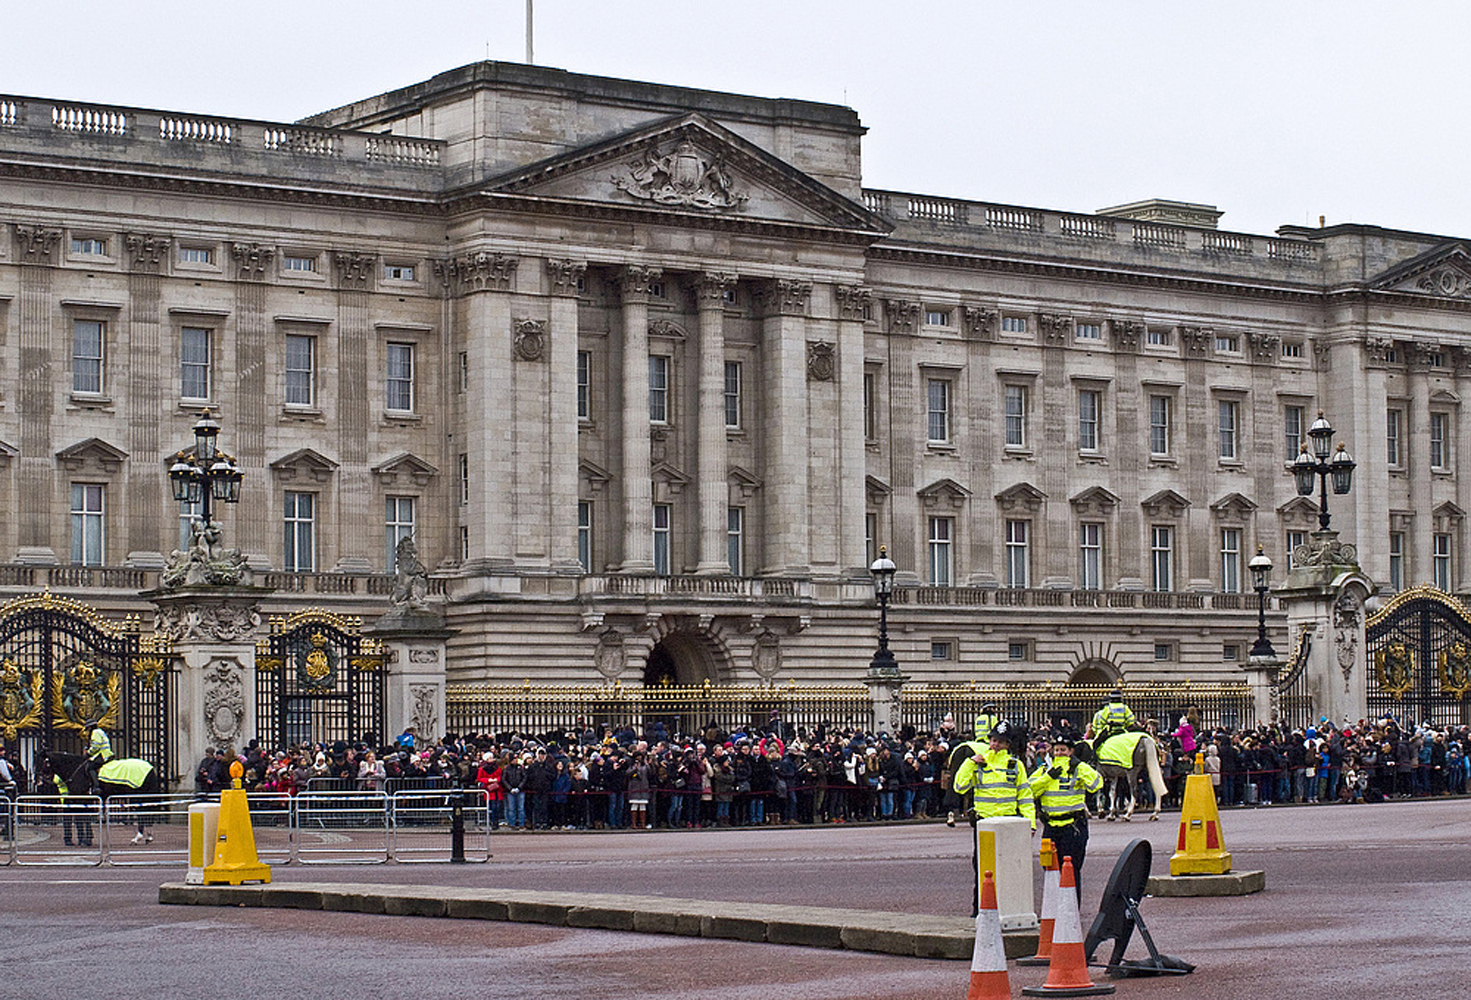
(997, 779)
(1112, 719)
(986, 719)
(1059, 787)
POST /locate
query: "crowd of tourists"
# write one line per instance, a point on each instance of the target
(605, 777)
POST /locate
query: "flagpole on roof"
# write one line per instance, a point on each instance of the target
(529, 60)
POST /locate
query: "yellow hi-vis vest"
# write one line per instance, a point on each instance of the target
(126, 771)
(1064, 796)
(1000, 787)
(1114, 715)
(1120, 749)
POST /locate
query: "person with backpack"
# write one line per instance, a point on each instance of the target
(1060, 785)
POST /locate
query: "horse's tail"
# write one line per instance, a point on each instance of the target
(1151, 764)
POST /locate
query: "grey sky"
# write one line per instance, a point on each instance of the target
(1276, 112)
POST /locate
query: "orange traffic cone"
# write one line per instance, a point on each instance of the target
(1067, 975)
(988, 962)
(1051, 876)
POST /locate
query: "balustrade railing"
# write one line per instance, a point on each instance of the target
(1226, 242)
(1151, 235)
(1004, 217)
(1090, 227)
(197, 129)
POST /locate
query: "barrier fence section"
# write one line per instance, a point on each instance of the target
(49, 830)
(346, 827)
(421, 825)
(146, 830)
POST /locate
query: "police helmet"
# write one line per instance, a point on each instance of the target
(1001, 731)
(1063, 737)
(1116, 694)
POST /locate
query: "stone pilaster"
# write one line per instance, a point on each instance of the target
(36, 249)
(786, 427)
(904, 527)
(563, 451)
(260, 505)
(148, 371)
(714, 490)
(852, 302)
(358, 395)
(638, 495)
(1059, 417)
(1324, 595)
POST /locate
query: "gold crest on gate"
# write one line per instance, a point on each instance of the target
(1455, 670)
(1394, 669)
(20, 699)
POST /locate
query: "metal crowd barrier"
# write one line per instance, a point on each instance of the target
(316, 827)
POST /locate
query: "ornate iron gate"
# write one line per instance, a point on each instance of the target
(318, 680)
(1292, 697)
(64, 670)
(1419, 648)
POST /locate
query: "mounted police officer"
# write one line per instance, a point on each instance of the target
(1060, 785)
(986, 719)
(99, 752)
(1112, 719)
(997, 779)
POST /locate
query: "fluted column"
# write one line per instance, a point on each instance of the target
(710, 292)
(904, 521)
(785, 430)
(357, 549)
(563, 276)
(638, 495)
(36, 248)
(851, 303)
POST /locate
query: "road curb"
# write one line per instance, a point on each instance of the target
(881, 932)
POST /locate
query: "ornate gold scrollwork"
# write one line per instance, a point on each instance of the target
(1455, 670)
(1394, 667)
(148, 669)
(21, 700)
(87, 696)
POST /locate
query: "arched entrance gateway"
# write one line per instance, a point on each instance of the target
(684, 659)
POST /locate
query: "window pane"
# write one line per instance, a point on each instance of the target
(732, 394)
(584, 385)
(658, 389)
(194, 363)
(87, 356)
(939, 410)
(400, 386)
(734, 532)
(300, 370)
(1159, 425)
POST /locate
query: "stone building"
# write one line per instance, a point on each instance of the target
(650, 375)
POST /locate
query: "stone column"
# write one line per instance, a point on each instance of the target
(1419, 542)
(213, 632)
(36, 249)
(713, 467)
(414, 656)
(904, 524)
(851, 302)
(257, 524)
(563, 276)
(786, 430)
(359, 394)
(148, 371)
(638, 490)
(1055, 554)
(1324, 595)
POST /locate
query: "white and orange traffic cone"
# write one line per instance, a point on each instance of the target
(1051, 876)
(988, 961)
(1067, 974)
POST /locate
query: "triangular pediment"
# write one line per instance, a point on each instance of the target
(1233, 505)
(689, 165)
(304, 464)
(944, 493)
(405, 465)
(877, 490)
(668, 481)
(1444, 272)
(1449, 511)
(1095, 498)
(1023, 496)
(94, 451)
(1165, 502)
(7, 452)
(1299, 507)
(743, 482)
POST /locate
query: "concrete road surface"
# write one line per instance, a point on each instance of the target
(1360, 901)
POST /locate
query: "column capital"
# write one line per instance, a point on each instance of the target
(354, 270)
(634, 281)
(786, 297)
(853, 301)
(710, 288)
(482, 271)
(251, 260)
(146, 252)
(564, 274)
(36, 244)
(978, 322)
(903, 315)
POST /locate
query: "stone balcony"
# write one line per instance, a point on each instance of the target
(133, 140)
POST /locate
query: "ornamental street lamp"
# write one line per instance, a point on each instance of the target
(1339, 468)
(883, 569)
(1261, 573)
(205, 474)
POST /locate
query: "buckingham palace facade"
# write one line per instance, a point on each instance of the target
(649, 375)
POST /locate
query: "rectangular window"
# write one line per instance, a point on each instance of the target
(398, 524)
(464, 478)
(292, 262)
(300, 549)
(1230, 652)
(1439, 442)
(584, 385)
(941, 649)
(1163, 651)
(301, 370)
(1227, 412)
(194, 359)
(1157, 336)
(1294, 539)
(1392, 429)
(464, 543)
(87, 342)
(1441, 561)
(1162, 557)
(733, 394)
(188, 514)
(1228, 343)
(1018, 559)
(1437, 359)
(1016, 416)
(1090, 403)
(1292, 348)
(1159, 425)
(463, 365)
(937, 317)
(1230, 560)
(196, 255)
(938, 396)
(89, 246)
(1090, 556)
(87, 524)
(1089, 331)
(399, 383)
(658, 389)
(584, 535)
(735, 539)
(870, 531)
(1397, 561)
(1013, 324)
(1018, 650)
(870, 401)
(662, 518)
(398, 272)
(942, 536)
(1292, 430)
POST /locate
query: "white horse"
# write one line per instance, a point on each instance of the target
(1145, 760)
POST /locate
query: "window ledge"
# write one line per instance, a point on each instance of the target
(196, 405)
(401, 417)
(90, 401)
(1443, 473)
(1092, 458)
(1231, 463)
(301, 413)
(1017, 451)
(1163, 461)
(940, 447)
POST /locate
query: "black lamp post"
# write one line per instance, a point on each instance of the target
(883, 569)
(1340, 468)
(1261, 573)
(205, 474)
